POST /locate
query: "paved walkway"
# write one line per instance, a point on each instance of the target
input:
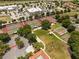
(58, 37)
(47, 54)
(39, 40)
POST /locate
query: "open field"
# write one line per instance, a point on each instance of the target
(5, 18)
(54, 47)
(57, 25)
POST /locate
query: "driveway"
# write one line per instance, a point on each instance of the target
(15, 52)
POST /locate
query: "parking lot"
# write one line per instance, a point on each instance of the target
(15, 52)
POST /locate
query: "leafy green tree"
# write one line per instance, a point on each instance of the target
(21, 18)
(42, 14)
(23, 5)
(74, 44)
(3, 49)
(31, 37)
(24, 31)
(59, 18)
(30, 18)
(68, 10)
(27, 27)
(56, 3)
(27, 4)
(48, 14)
(52, 13)
(76, 15)
(29, 54)
(21, 57)
(65, 10)
(14, 20)
(66, 17)
(4, 37)
(20, 32)
(76, 1)
(66, 23)
(77, 21)
(1, 22)
(58, 12)
(71, 28)
(19, 43)
(45, 24)
(38, 46)
(37, 16)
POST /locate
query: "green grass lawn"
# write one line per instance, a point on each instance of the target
(54, 47)
(57, 25)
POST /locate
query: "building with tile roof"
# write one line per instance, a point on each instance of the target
(39, 55)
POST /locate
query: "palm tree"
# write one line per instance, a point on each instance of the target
(19, 43)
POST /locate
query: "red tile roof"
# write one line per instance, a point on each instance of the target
(5, 29)
(22, 24)
(49, 18)
(39, 53)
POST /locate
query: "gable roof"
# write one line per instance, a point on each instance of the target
(34, 9)
(39, 54)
